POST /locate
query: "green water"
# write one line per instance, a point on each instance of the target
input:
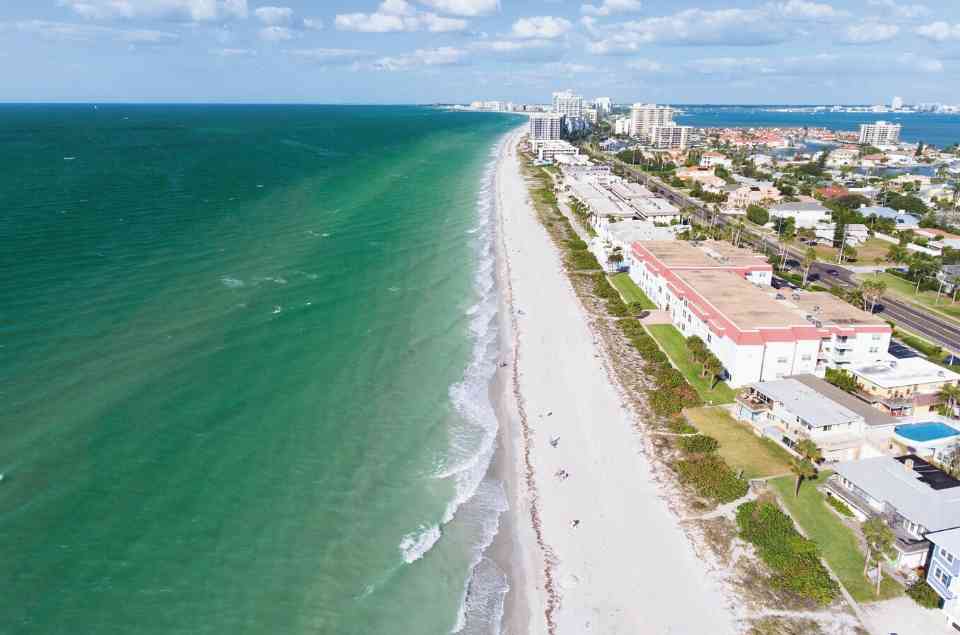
(228, 336)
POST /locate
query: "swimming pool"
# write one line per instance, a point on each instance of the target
(926, 432)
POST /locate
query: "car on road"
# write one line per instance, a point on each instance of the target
(833, 272)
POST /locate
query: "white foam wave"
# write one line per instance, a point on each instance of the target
(232, 283)
(419, 542)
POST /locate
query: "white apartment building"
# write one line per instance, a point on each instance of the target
(896, 103)
(713, 159)
(546, 126)
(568, 103)
(552, 149)
(621, 126)
(592, 115)
(722, 294)
(644, 117)
(879, 133)
(604, 105)
(670, 136)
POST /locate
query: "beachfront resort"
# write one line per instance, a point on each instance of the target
(757, 277)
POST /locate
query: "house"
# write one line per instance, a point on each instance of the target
(831, 191)
(843, 157)
(854, 234)
(806, 214)
(748, 192)
(788, 411)
(705, 177)
(943, 572)
(912, 496)
(722, 294)
(902, 387)
(900, 217)
(761, 160)
(617, 235)
(711, 160)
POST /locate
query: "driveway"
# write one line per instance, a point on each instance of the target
(904, 617)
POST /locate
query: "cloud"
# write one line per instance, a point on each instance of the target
(466, 8)
(870, 33)
(274, 16)
(905, 11)
(313, 24)
(939, 31)
(822, 64)
(542, 27)
(329, 56)
(276, 34)
(444, 56)
(190, 10)
(519, 50)
(66, 31)
(396, 16)
(228, 52)
(643, 65)
(804, 9)
(609, 7)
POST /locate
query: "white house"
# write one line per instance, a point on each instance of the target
(806, 214)
(713, 159)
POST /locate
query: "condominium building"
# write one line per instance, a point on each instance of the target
(621, 126)
(546, 126)
(722, 294)
(670, 136)
(645, 117)
(901, 387)
(591, 114)
(879, 133)
(568, 103)
(604, 105)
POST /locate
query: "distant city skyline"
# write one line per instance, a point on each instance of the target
(426, 51)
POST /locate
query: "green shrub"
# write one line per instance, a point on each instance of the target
(794, 560)
(700, 444)
(840, 506)
(631, 328)
(617, 308)
(602, 287)
(575, 244)
(923, 594)
(668, 377)
(711, 478)
(582, 260)
(636, 308)
(680, 425)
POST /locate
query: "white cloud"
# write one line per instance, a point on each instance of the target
(228, 52)
(609, 7)
(313, 24)
(870, 33)
(467, 8)
(519, 50)
(66, 31)
(822, 64)
(192, 10)
(274, 16)
(395, 16)
(646, 66)
(905, 11)
(444, 56)
(276, 34)
(541, 27)
(809, 10)
(940, 31)
(329, 56)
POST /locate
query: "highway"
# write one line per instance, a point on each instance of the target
(942, 331)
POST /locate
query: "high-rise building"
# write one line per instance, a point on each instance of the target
(644, 117)
(670, 136)
(621, 126)
(568, 103)
(591, 114)
(604, 105)
(545, 126)
(879, 133)
(896, 103)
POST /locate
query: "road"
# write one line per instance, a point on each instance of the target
(942, 331)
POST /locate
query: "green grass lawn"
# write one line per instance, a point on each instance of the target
(630, 291)
(904, 289)
(675, 346)
(739, 446)
(837, 543)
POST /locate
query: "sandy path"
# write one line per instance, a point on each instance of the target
(627, 567)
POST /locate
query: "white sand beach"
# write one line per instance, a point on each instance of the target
(626, 567)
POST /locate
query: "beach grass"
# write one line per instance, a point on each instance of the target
(837, 542)
(904, 289)
(630, 291)
(740, 447)
(675, 346)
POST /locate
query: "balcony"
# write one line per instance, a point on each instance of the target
(754, 402)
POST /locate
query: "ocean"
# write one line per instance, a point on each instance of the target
(938, 129)
(245, 354)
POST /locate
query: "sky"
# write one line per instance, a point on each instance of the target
(455, 51)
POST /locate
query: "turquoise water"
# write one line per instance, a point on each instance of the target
(929, 431)
(244, 355)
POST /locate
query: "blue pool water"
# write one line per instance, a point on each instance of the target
(922, 432)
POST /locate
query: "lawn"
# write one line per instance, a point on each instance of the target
(739, 446)
(630, 291)
(866, 253)
(904, 289)
(674, 345)
(837, 542)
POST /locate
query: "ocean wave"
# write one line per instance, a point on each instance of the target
(232, 283)
(415, 544)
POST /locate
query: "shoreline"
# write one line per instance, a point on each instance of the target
(588, 543)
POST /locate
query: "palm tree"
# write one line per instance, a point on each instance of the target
(809, 257)
(950, 393)
(809, 450)
(803, 469)
(880, 539)
(615, 258)
(697, 348)
(872, 291)
(898, 254)
(876, 263)
(714, 367)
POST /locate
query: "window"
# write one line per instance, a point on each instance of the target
(806, 358)
(874, 349)
(709, 337)
(946, 555)
(781, 360)
(941, 575)
(827, 428)
(876, 337)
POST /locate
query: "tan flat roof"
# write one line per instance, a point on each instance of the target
(748, 306)
(830, 310)
(707, 253)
